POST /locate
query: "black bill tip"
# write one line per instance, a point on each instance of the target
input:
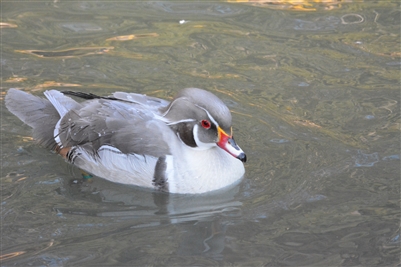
(242, 157)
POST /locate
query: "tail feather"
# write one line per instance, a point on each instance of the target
(36, 112)
(61, 103)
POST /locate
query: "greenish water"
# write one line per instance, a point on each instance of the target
(315, 95)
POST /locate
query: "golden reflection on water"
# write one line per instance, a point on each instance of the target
(11, 255)
(297, 5)
(56, 84)
(132, 37)
(15, 79)
(68, 53)
(4, 25)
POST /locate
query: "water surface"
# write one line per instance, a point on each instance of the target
(315, 95)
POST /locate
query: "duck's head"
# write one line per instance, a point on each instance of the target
(202, 121)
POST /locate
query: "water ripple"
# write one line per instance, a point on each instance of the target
(366, 160)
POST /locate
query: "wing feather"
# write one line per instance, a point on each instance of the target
(127, 126)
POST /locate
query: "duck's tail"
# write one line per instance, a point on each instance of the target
(38, 113)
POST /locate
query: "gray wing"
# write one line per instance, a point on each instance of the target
(126, 126)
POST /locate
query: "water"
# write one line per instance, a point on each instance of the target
(315, 95)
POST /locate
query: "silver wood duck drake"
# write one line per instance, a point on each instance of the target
(183, 146)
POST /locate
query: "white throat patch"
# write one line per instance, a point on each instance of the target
(201, 145)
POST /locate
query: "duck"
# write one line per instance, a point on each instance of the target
(182, 146)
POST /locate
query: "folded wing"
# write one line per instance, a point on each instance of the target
(125, 125)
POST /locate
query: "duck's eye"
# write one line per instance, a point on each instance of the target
(205, 124)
